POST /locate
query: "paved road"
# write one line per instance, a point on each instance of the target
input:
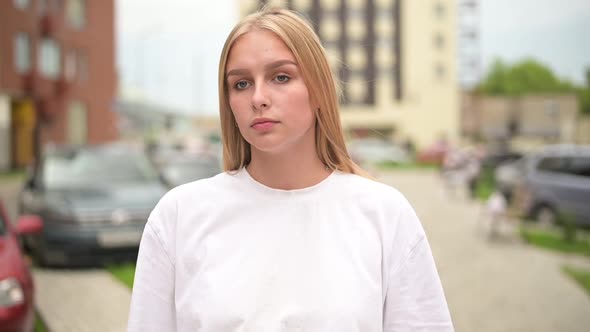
(498, 286)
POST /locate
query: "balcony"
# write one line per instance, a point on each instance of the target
(47, 25)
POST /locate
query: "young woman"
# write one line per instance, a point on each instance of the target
(291, 237)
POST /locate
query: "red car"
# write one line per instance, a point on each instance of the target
(17, 312)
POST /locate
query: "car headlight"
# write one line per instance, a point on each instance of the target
(11, 293)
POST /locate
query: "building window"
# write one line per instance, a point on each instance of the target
(42, 7)
(22, 53)
(21, 4)
(439, 41)
(384, 14)
(302, 5)
(77, 123)
(76, 13)
(55, 6)
(384, 42)
(440, 71)
(330, 29)
(356, 14)
(49, 58)
(357, 90)
(439, 10)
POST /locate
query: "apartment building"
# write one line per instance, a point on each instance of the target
(395, 60)
(57, 75)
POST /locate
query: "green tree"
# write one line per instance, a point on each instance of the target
(530, 76)
(527, 76)
(584, 95)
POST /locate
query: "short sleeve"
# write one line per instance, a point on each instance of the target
(415, 299)
(152, 300)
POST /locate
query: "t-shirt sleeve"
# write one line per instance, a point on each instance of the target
(414, 299)
(152, 300)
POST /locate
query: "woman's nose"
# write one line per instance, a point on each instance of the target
(260, 98)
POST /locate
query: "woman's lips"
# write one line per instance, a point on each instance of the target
(264, 125)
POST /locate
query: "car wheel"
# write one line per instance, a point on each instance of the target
(38, 253)
(546, 216)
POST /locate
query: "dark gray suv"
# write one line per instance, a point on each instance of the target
(556, 185)
(93, 201)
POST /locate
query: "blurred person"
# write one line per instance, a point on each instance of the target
(473, 169)
(292, 236)
(496, 211)
(453, 171)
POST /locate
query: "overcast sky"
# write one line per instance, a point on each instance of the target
(170, 49)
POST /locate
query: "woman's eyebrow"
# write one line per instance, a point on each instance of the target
(279, 63)
(272, 65)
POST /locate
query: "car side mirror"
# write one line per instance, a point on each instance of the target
(29, 224)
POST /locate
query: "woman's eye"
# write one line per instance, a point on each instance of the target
(241, 85)
(282, 78)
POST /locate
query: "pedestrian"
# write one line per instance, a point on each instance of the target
(292, 236)
(496, 210)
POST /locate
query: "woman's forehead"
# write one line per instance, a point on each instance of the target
(258, 46)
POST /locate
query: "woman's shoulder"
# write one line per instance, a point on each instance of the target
(188, 197)
(361, 186)
(199, 189)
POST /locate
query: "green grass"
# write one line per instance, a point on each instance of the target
(485, 186)
(124, 273)
(409, 166)
(554, 240)
(39, 325)
(581, 276)
(16, 174)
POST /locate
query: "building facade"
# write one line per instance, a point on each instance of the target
(57, 75)
(528, 120)
(395, 60)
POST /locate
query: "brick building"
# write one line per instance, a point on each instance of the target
(57, 75)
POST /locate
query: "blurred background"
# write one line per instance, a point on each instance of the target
(478, 110)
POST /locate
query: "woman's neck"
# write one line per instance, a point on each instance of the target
(287, 171)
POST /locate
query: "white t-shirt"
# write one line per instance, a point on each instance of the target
(230, 254)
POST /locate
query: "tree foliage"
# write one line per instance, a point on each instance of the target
(530, 76)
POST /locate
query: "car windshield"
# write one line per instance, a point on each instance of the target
(96, 166)
(192, 170)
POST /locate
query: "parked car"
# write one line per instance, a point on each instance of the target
(556, 185)
(17, 313)
(494, 159)
(94, 202)
(376, 151)
(508, 175)
(434, 154)
(185, 168)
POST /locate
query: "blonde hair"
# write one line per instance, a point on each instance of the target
(305, 45)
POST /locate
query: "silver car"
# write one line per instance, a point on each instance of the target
(93, 202)
(375, 151)
(556, 185)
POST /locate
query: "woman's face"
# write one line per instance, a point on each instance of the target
(268, 96)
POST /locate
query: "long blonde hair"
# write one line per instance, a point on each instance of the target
(305, 45)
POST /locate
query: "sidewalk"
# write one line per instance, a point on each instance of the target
(81, 300)
(493, 286)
